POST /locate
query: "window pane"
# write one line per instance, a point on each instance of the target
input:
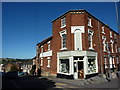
(64, 65)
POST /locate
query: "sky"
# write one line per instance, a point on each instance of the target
(24, 24)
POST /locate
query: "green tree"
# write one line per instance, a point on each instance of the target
(14, 68)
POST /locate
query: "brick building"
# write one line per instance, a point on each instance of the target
(78, 47)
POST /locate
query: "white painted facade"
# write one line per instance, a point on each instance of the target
(70, 56)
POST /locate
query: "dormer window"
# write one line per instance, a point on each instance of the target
(89, 22)
(103, 30)
(63, 22)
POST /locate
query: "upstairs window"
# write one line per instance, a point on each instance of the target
(110, 34)
(42, 49)
(103, 30)
(49, 46)
(89, 22)
(41, 62)
(63, 22)
(111, 41)
(90, 35)
(104, 43)
(63, 39)
(48, 62)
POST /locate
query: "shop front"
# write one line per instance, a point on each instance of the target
(76, 64)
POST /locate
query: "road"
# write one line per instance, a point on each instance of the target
(45, 83)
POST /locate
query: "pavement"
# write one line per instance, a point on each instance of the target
(94, 82)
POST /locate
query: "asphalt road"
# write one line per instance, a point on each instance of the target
(45, 83)
(27, 83)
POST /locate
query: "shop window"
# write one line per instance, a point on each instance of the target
(91, 65)
(64, 65)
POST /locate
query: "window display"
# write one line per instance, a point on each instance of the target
(64, 65)
(91, 65)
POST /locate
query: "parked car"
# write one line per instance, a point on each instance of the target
(20, 74)
(2, 74)
(12, 75)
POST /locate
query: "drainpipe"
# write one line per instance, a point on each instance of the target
(99, 41)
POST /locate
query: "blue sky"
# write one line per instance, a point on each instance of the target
(27, 23)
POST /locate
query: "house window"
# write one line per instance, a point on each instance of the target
(91, 65)
(64, 65)
(117, 60)
(89, 21)
(63, 39)
(115, 36)
(48, 62)
(103, 30)
(116, 49)
(105, 62)
(48, 45)
(104, 43)
(41, 63)
(110, 34)
(42, 49)
(63, 22)
(90, 34)
(112, 46)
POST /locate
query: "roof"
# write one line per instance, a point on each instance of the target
(87, 13)
(45, 41)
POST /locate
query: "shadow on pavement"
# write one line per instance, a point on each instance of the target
(28, 83)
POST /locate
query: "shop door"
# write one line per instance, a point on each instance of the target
(80, 70)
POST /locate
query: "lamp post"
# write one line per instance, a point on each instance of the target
(109, 76)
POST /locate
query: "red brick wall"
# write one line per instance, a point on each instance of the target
(77, 20)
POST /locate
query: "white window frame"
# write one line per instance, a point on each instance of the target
(48, 46)
(116, 48)
(90, 32)
(48, 62)
(41, 62)
(42, 49)
(89, 22)
(112, 49)
(110, 34)
(61, 34)
(117, 60)
(105, 62)
(115, 36)
(103, 29)
(63, 22)
(104, 44)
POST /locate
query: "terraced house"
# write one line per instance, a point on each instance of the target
(78, 47)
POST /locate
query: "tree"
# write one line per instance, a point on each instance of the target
(14, 68)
